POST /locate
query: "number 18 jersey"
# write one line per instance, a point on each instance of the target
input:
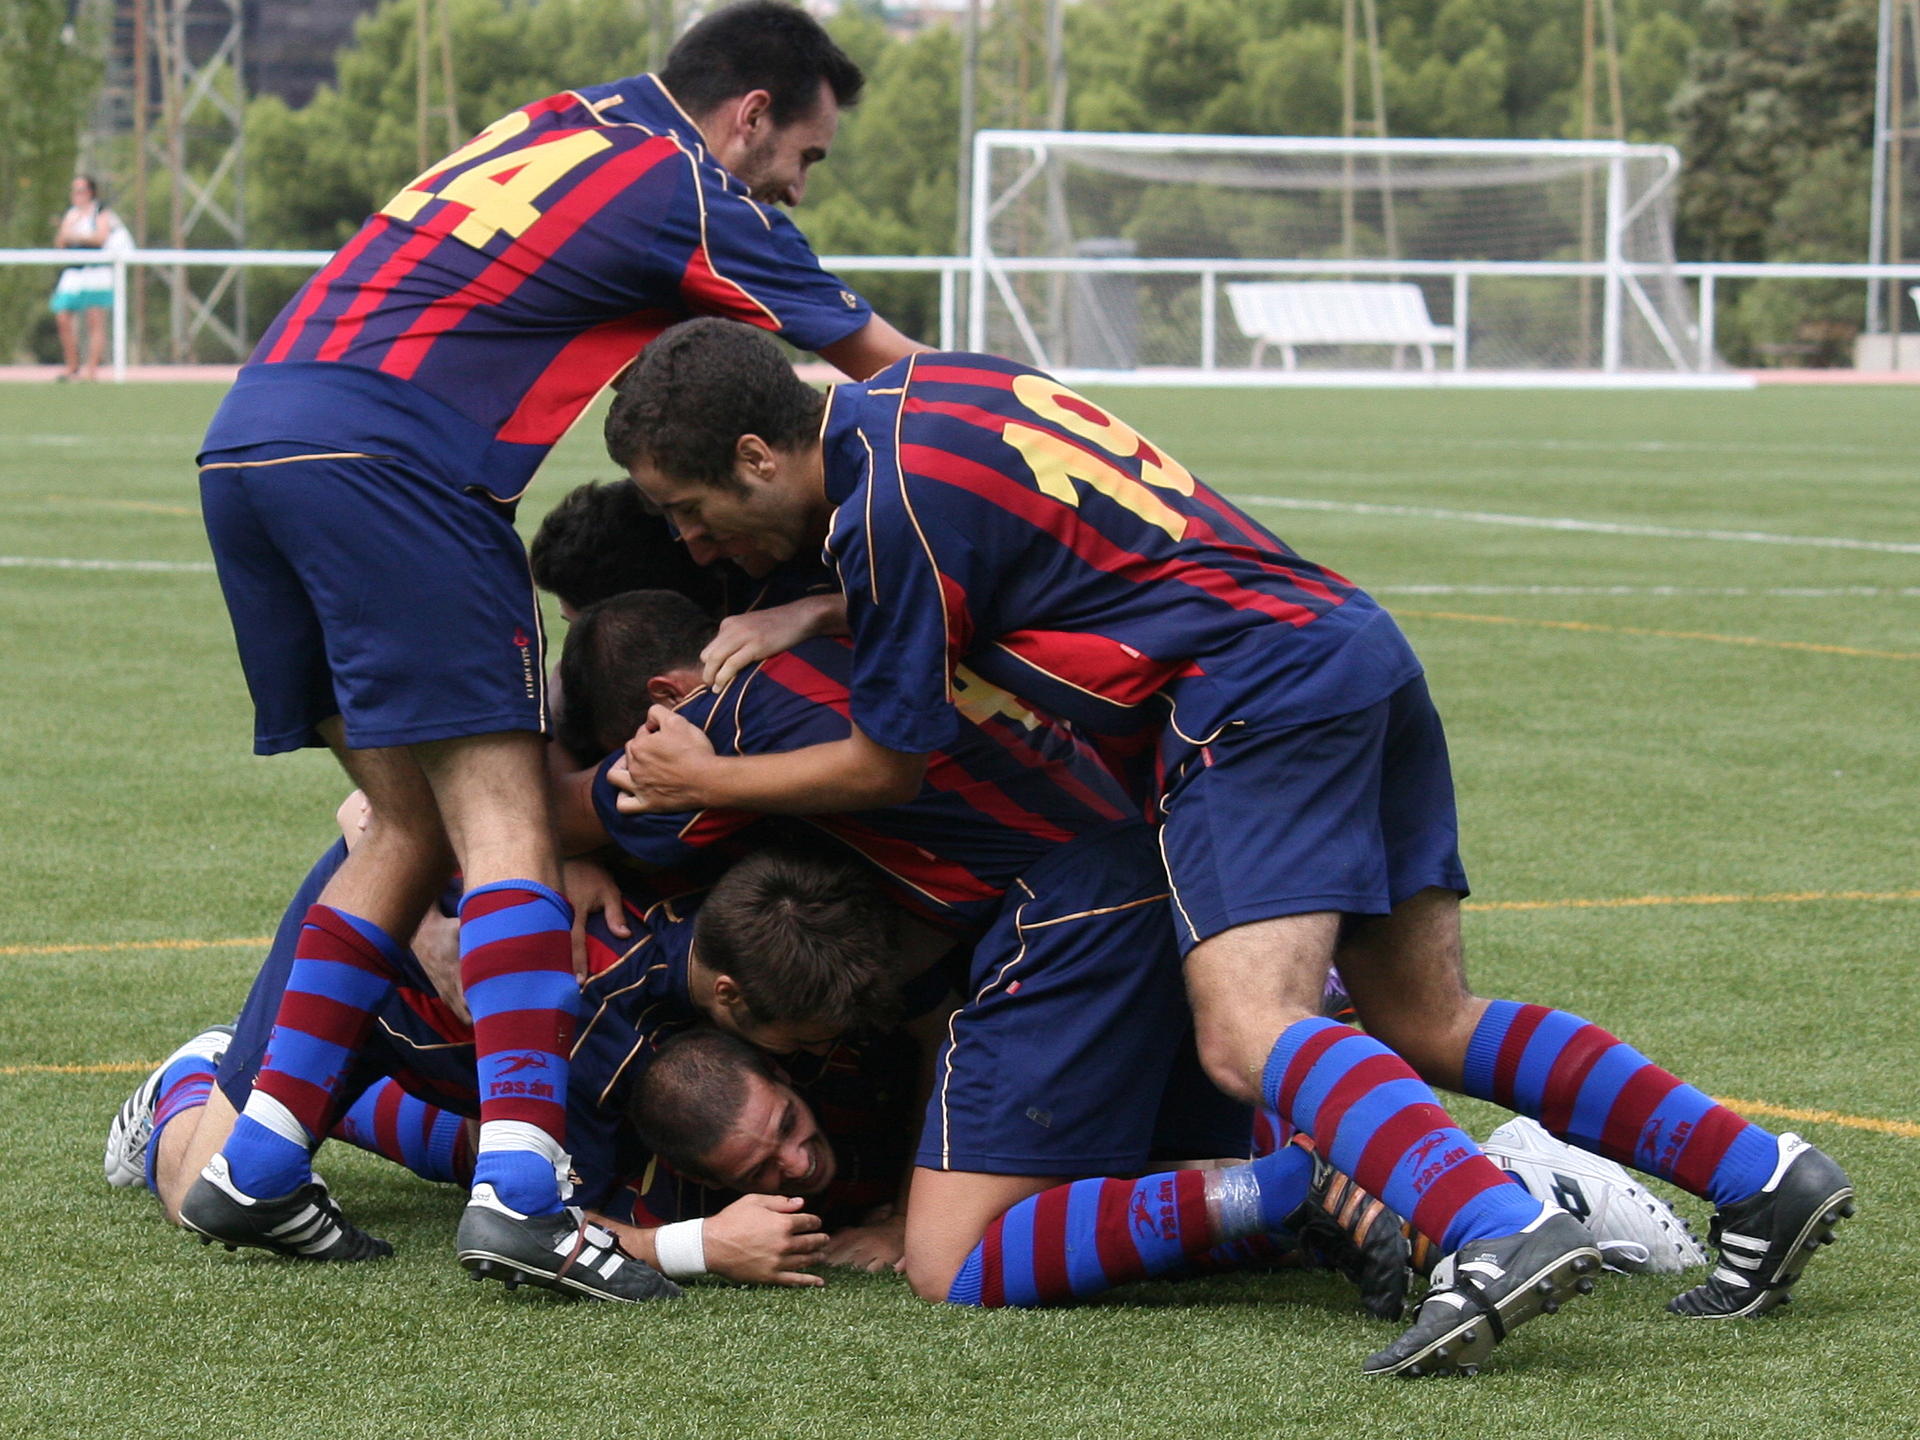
(471, 320)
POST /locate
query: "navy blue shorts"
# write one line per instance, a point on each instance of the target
(1353, 814)
(1073, 1054)
(430, 1059)
(361, 587)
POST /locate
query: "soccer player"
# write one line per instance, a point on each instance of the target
(979, 511)
(359, 482)
(788, 951)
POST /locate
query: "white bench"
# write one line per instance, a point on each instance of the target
(1336, 312)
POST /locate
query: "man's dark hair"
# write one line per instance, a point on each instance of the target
(700, 387)
(614, 647)
(760, 45)
(601, 540)
(687, 1099)
(808, 939)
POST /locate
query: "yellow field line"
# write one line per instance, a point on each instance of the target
(136, 945)
(146, 507)
(1752, 641)
(1823, 1117)
(1792, 898)
(126, 1068)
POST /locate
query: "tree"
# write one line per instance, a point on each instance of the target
(48, 79)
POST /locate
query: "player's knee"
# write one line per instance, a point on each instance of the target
(1230, 1060)
(930, 1277)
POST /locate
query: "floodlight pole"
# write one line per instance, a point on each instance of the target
(1877, 221)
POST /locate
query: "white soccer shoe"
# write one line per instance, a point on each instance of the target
(126, 1162)
(1635, 1230)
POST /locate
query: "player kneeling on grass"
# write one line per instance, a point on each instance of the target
(981, 513)
(798, 951)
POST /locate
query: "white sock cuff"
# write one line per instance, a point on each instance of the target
(681, 1249)
(270, 1114)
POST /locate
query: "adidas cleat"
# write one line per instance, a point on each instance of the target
(1482, 1291)
(127, 1136)
(564, 1252)
(1766, 1240)
(305, 1225)
(1357, 1235)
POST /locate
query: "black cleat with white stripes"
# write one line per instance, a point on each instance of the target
(304, 1225)
(1766, 1240)
(564, 1252)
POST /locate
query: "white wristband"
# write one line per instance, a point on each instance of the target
(681, 1249)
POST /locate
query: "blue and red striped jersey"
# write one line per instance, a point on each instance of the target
(987, 514)
(518, 276)
(1003, 791)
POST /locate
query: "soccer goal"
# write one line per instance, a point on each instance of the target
(1259, 259)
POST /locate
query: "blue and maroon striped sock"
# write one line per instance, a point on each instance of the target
(186, 1085)
(424, 1138)
(1374, 1119)
(1591, 1090)
(344, 969)
(516, 967)
(1080, 1240)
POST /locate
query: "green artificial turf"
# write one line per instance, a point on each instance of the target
(1592, 764)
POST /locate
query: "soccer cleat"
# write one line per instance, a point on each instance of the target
(127, 1136)
(1766, 1240)
(1481, 1291)
(1635, 1229)
(1357, 1235)
(564, 1252)
(305, 1224)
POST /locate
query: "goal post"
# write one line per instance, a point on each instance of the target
(1203, 254)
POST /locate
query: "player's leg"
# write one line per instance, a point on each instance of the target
(422, 1137)
(166, 1102)
(96, 338)
(1408, 977)
(1268, 844)
(69, 341)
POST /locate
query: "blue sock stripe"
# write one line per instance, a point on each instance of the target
(966, 1285)
(525, 990)
(1084, 1274)
(521, 1178)
(1285, 1177)
(264, 1164)
(1497, 1210)
(1600, 1089)
(532, 918)
(1291, 1039)
(337, 980)
(1747, 1165)
(442, 1145)
(1483, 1050)
(1536, 1062)
(1016, 1254)
(1366, 1115)
(1329, 1071)
(308, 1057)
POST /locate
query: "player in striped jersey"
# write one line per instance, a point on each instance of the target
(359, 483)
(981, 513)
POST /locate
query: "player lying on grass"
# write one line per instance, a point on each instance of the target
(359, 483)
(786, 951)
(981, 513)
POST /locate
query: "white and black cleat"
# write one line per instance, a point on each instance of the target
(127, 1136)
(564, 1252)
(304, 1225)
(1482, 1291)
(1766, 1240)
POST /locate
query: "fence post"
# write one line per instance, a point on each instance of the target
(1707, 316)
(1460, 322)
(1209, 319)
(947, 278)
(119, 320)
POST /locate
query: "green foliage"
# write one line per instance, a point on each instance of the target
(47, 82)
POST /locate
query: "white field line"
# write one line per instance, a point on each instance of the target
(1597, 527)
(59, 562)
(1803, 592)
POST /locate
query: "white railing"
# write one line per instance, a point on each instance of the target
(1208, 273)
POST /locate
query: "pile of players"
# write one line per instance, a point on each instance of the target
(1019, 837)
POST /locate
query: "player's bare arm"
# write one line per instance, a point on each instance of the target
(744, 639)
(672, 767)
(757, 1240)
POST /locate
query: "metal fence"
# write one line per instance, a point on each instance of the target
(960, 273)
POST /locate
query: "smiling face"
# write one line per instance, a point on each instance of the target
(767, 514)
(771, 160)
(775, 1147)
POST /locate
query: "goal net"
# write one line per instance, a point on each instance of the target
(1243, 254)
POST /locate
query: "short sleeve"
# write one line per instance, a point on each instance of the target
(908, 576)
(756, 266)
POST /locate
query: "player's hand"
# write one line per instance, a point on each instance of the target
(764, 1240)
(436, 944)
(664, 766)
(744, 639)
(872, 1248)
(353, 817)
(590, 888)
